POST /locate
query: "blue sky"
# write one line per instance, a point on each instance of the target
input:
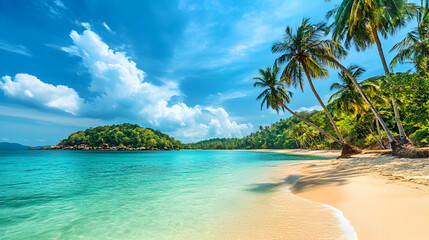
(183, 67)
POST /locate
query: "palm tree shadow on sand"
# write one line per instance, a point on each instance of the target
(271, 187)
(303, 183)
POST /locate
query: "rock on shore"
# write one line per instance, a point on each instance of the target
(105, 147)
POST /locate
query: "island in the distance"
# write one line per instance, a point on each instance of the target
(118, 137)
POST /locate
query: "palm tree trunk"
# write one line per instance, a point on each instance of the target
(380, 51)
(379, 132)
(322, 104)
(373, 135)
(311, 124)
(365, 98)
(402, 134)
(371, 129)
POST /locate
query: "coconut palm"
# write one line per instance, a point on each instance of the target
(300, 52)
(328, 52)
(415, 46)
(335, 46)
(276, 95)
(360, 22)
(348, 99)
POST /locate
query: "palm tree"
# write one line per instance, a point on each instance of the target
(325, 51)
(415, 46)
(334, 46)
(300, 51)
(276, 96)
(347, 96)
(348, 99)
(359, 22)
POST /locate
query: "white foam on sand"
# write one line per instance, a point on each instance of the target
(349, 231)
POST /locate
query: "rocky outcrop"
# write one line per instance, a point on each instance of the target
(104, 147)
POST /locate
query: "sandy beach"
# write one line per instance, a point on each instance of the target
(382, 197)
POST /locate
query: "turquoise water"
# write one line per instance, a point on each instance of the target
(125, 195)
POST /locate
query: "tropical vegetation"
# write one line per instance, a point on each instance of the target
(126, 135)
(358, 128)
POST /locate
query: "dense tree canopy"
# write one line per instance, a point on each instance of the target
(412, 91)
(127, 135)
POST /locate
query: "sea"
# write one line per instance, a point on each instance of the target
(48, 194)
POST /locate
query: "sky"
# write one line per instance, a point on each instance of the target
(184, 67)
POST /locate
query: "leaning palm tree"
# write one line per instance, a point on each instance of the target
(276, 96)
(415, 46)
(300, 51)
(359, 23)
(334, 46)
(348, 99)
(328, 52)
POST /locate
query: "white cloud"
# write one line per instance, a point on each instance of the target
(259, 25)
(223, 126)
(123, 92)
(107, 27)
(28, 88)
(309, 109)
(53, 8)
(222, 97)
(19, 49)
(254, 30)
(86, 25)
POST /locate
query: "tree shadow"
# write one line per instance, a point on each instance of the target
(324, 177)
(316, 178)
(271, 187)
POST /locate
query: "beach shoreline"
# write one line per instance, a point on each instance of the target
(305, 152)
(382, 196)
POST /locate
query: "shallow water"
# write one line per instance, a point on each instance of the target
(126, 195)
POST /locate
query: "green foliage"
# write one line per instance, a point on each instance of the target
(357, 21)
(421, 136)
(128, 135)
(275, 94)
(412, 92)
(415, 46)
(289, 133)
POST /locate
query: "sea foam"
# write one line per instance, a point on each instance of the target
(349, 231)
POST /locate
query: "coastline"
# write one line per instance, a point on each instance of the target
(383, 197)
(306, 152)
(280, 214)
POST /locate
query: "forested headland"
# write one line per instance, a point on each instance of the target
(119, 137)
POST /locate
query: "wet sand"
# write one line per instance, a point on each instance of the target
(322, 153)
(282, 215)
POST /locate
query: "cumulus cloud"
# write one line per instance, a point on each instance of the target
(121, 91)
(29, 88)
(86, 25)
